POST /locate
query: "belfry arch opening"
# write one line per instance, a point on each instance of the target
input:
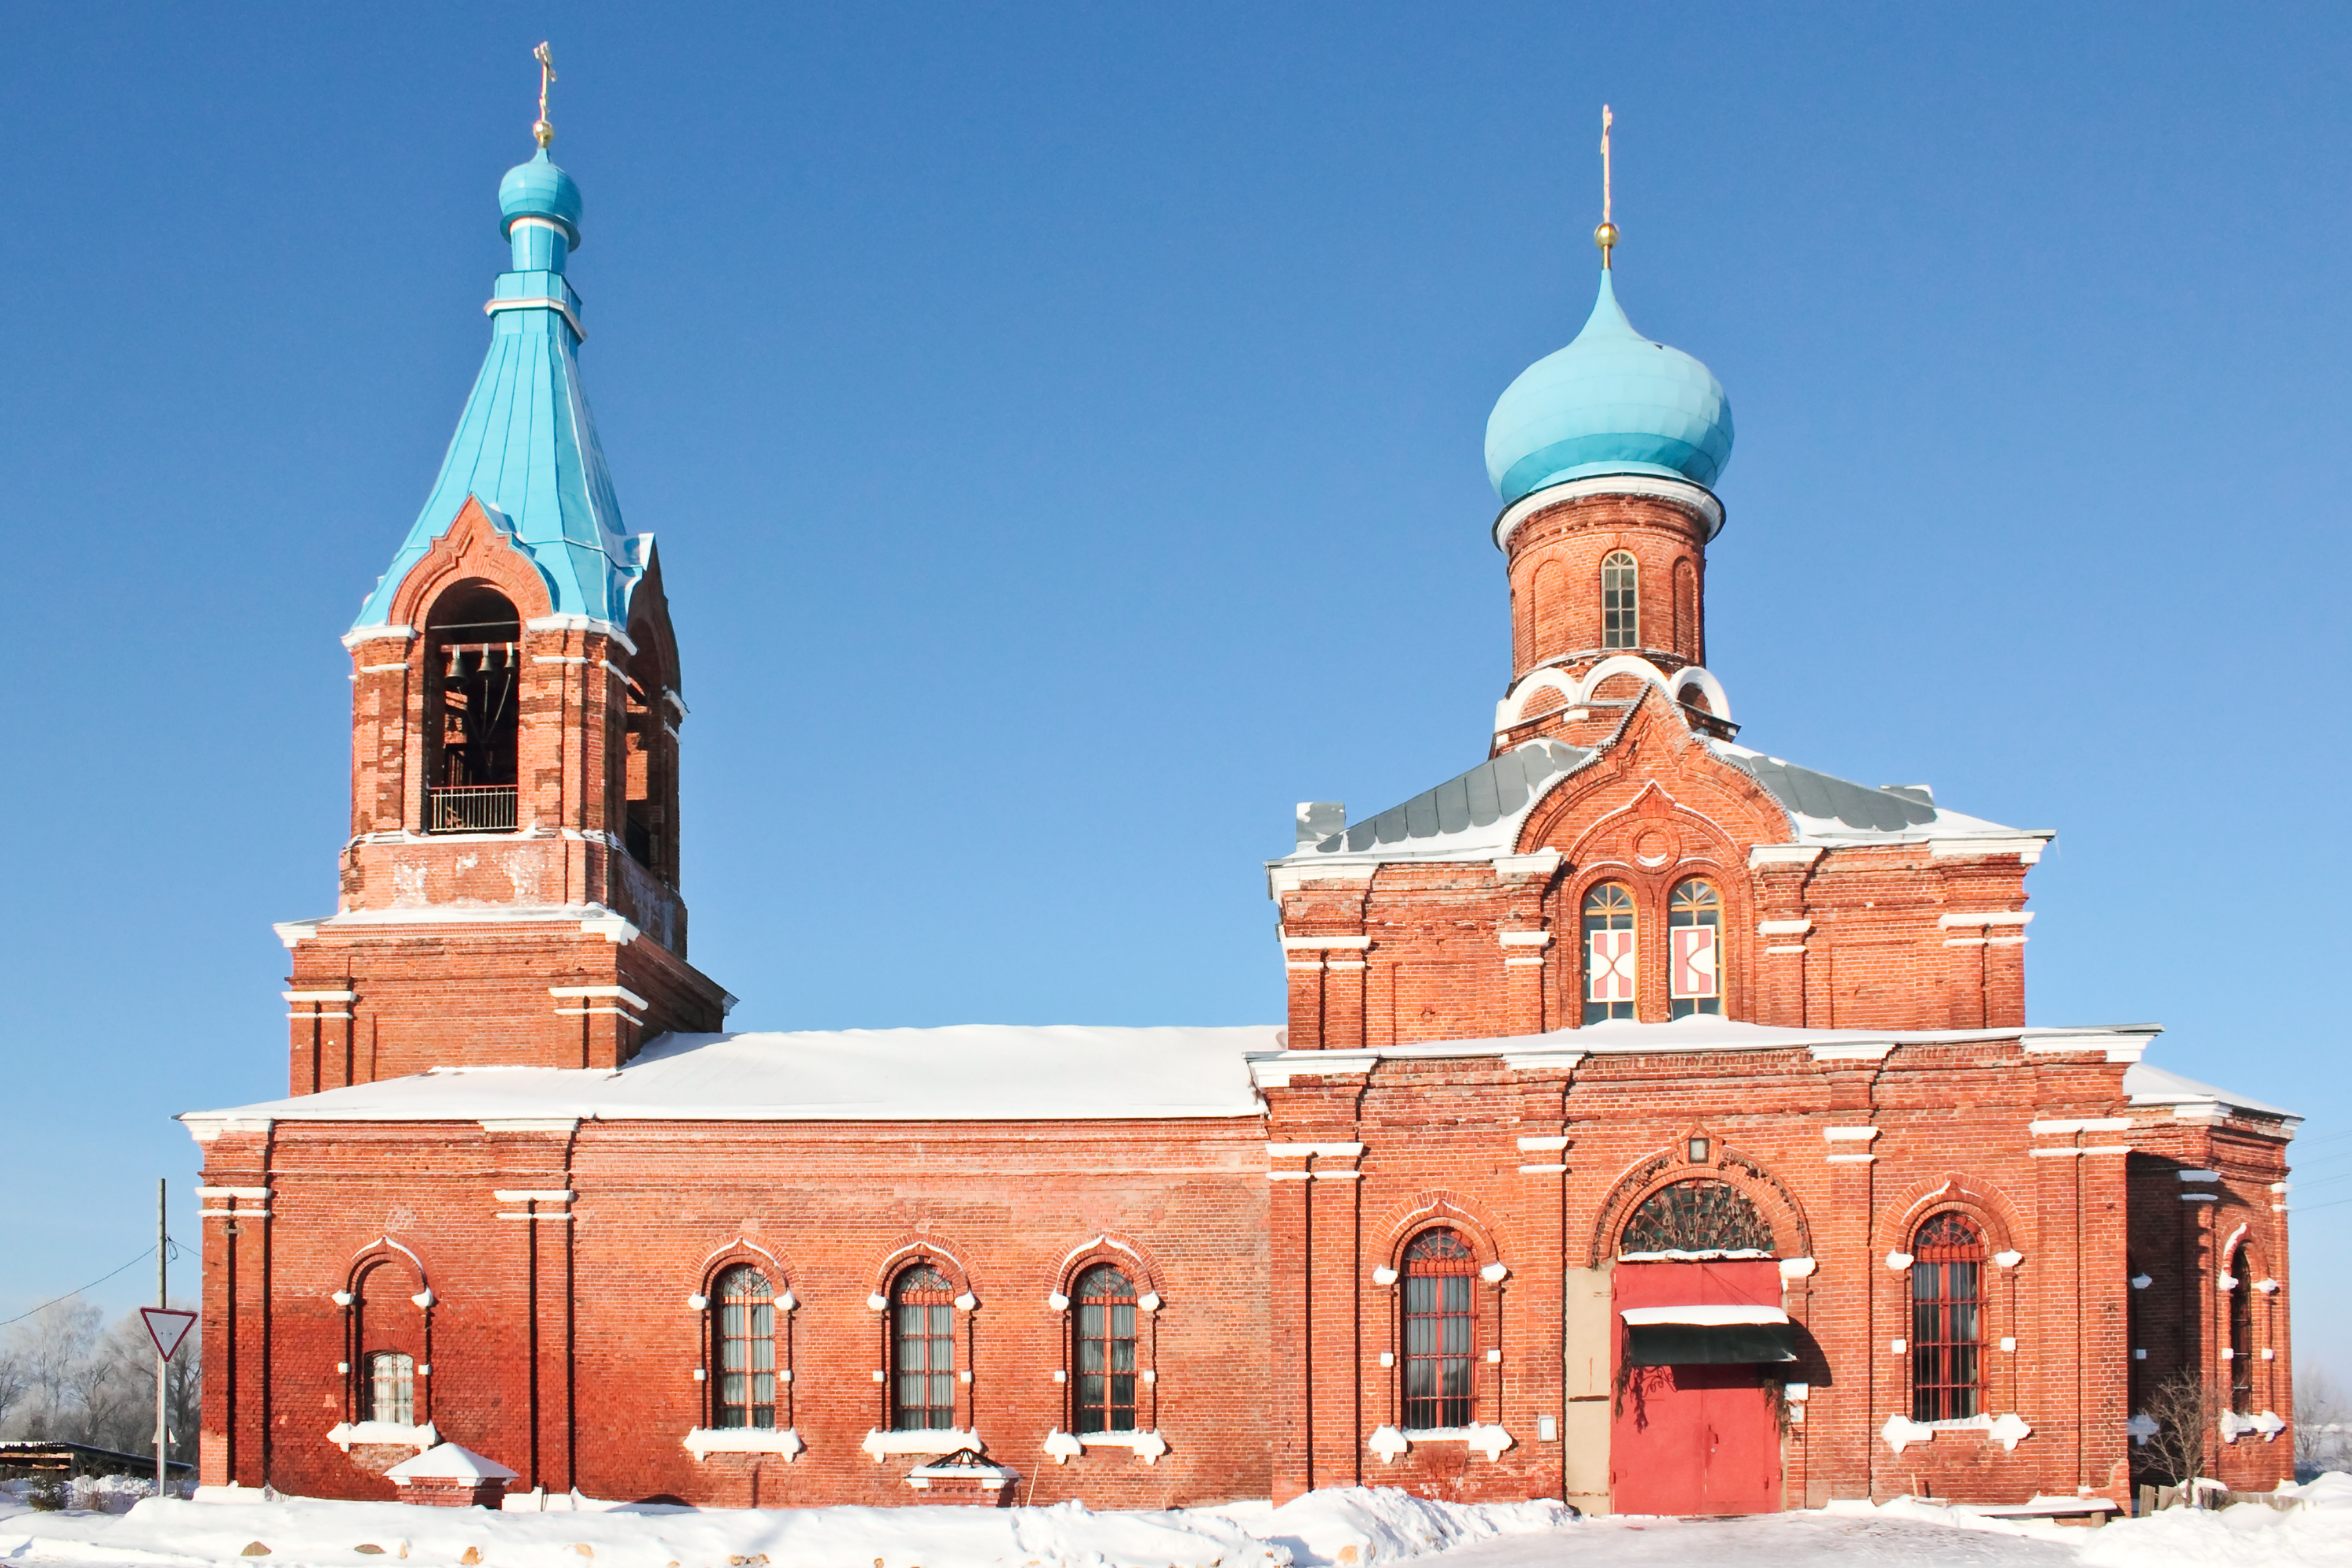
(650, 760)
(473, 667)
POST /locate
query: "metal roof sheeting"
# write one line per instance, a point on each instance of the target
(1496, 791)
(1822, 795)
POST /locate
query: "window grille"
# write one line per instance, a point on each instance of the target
(2241, 1337)
(922, 1314)
(1696, 1216)
(1106, 1350)
(1694, 950)
(1947, 1256)
(747, 1349)
(1610, 953)
(391, 1387)
(1620, 613)
(1440, 1331)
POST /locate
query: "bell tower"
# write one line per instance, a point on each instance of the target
(509, 892)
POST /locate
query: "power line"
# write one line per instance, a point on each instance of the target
(92, 1286)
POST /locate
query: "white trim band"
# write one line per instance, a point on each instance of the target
(539, 302)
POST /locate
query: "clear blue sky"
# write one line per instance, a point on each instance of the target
(1062, 428)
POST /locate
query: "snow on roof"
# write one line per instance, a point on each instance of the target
(1619, 1037)
(1697, 1316)
(1478, 816)
(2154, 1085)
(965, 1072)
(449, 1461)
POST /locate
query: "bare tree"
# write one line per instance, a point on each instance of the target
(2184, 1408)
(2323, 1423)
(53, 1345)
(14, 1384)
(63, 1380)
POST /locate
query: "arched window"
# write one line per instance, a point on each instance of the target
(2241, 1336)
(391, 1387)
(1700, 1216)
(1694, 949)
(746, 1350)
(1609, 953)
(1620, 610)
(1106, 1350)
(473, 661)
(922, 1322)
(1947, 1256)
(1440, 1331)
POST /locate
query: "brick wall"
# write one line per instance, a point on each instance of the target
(1011, 1210)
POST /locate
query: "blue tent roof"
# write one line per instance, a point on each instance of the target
(527, 447)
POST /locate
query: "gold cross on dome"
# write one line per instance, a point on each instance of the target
(543, 128)
(1606, 234)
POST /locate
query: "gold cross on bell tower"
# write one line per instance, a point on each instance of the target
(542, 128)
(1606, 234)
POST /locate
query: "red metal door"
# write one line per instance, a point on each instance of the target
(1692, 1439)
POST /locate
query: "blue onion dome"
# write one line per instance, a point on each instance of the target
(1613, 402)
(539, 189)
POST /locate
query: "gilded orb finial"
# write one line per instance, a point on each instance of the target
(1605, 235)
(542, 128)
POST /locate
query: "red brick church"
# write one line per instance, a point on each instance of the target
(1655, 1124)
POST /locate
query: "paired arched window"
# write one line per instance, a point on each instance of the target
(922, 1340)
(1610, 956)
(2241, 1336)
(1440, 1331)
(473, 664)
(1620, 610)
(1694, 949)
(1104, 1329)
(745, 1354)
(391, 1387)
(1948, 1259)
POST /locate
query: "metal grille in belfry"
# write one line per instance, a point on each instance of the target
(470, 808)
(1698, 1216)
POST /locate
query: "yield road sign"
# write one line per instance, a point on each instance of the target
(167, 1327)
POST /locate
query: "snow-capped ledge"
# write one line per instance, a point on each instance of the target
(1063, 1447)
(880, 1445)
(2235, 1426)
(349, 1434)
(1489, 1441)
(704, 1441)
(2008, 1431)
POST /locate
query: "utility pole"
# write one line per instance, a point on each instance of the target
(163, 1299)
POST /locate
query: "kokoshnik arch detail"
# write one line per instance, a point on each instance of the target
(1635, 1084)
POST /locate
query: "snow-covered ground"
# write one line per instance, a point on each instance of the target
(1355, 1527)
